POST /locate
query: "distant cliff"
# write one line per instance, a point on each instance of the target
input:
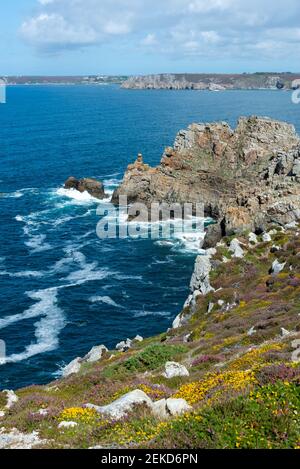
(212, 82)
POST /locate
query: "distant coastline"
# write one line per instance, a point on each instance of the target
(214, 82)
(167, 81)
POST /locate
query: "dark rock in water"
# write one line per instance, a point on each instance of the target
(92, 186)
(213, 236)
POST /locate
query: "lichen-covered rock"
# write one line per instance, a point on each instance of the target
(72, 368)
(95, 354)
(166, 408)
(173, 369)
(122, 406)
(236, 249)
(12, 398)
(67, 424)
(14, 439)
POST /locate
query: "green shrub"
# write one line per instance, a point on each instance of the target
(150, 358)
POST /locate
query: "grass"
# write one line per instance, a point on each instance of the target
(243, 388)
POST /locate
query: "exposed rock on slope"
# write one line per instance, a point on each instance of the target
(246, 178)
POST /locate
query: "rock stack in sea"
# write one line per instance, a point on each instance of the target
(247, 178)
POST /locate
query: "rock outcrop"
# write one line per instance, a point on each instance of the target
(247, 178)
(121, 407)
(173, 369)
(92, 186)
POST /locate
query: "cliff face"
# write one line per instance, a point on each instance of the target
(212, 82)
(246, 178)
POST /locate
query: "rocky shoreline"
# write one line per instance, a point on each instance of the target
(210, 380)
(247, 178)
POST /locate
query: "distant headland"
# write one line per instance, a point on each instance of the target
(170, 81)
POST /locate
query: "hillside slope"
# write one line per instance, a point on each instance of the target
(237, 339)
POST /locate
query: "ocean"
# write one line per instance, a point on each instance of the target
(62, 289)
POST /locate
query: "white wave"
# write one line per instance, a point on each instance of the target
(104, 299)
(85, 272)
(19, 193)
(13, 195)
(47, 329)
(77, 197)
(143, 313)
(190, 242)
(24, 274)
(36, 243)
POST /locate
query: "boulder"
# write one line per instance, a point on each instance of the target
(235, 249)
(12, 398)
(277, 267)
(14, 439)
(138, 338)
(68, 424)
(166, 408)
(92, 186)
(266, 237)
(252, 238)
(72, 368)
(173, 369)
(124, 345)
(122, 406)
(213, 234)
(95, 354)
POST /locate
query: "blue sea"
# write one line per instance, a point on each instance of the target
(62, 289)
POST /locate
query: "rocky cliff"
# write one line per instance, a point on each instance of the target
(227, 374)
(246, 178)
(211, 82)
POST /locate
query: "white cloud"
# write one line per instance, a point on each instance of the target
(149, 40)
(207, 28)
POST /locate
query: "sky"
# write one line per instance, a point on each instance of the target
(133, 37)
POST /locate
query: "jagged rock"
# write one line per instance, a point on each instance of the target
(277, 267)
(243, 177)
(14, 439)
(122, 406)
(173, 369)
(213, 234)
(284, 332)
(12, 398)
(291, 226)
(252, 238)
(68, 424)
(72, 368)
(210, 307)
(266, 238)
(166, 408)
(138, 338)
(95, 354)
(251, 331)
(124, 345)
(200, 278)
(187, 338)
(92, 186)
(235, 249)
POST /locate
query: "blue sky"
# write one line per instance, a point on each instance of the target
(68, 37)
